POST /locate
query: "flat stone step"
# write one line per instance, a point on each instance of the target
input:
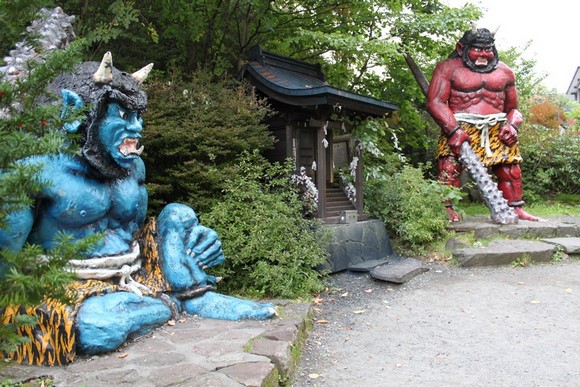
(504, 252)
(484, 228)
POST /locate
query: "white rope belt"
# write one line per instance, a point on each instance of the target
(121, 266)
(482, 123)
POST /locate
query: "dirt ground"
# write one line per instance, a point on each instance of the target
(495, 326)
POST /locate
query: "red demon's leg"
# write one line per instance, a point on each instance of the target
(449, 172)
(509, 178)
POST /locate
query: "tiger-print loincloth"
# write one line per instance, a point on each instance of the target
(500, 153)
(53, 337)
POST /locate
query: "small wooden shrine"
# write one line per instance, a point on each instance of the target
(310, 127)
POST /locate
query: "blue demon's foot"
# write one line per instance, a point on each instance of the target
(219, 306)
(105, 322)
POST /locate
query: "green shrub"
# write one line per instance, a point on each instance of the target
(270, 249)
(194, 132)
(410, 206)
(550, 164)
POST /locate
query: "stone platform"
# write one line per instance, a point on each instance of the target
(191, 351)
(504, 244)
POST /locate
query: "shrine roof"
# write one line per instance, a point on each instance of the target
(299, 83)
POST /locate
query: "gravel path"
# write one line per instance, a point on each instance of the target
(496, 326)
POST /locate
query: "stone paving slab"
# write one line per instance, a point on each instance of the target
(570, 245)
(399, 272)
(192, 352)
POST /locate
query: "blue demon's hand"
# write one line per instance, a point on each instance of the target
(204, 247)
(187, 248)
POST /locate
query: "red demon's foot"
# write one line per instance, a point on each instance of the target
(523, 215)
(453, 216)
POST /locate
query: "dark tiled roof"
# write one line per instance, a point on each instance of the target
(301, 84)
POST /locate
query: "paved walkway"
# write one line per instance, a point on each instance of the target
(191, 352)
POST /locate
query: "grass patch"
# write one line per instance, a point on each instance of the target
(546, 209)
(523, 261)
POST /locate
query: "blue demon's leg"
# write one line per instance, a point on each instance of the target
(219, 306)
(104, 322)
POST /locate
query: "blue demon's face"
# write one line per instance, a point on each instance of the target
(120, 132)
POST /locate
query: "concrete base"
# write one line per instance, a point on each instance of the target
(355, 243)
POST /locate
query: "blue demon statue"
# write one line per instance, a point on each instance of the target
(143, 272)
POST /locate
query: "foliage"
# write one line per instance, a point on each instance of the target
(30, 128)
(546, 114)
(113, 26)
(550, 162)
(528, 82)
(360, 44)
(410, 206)
(271, 250)
(15, 16)
(194, 132)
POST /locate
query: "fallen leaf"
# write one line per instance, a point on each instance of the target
(534, 302)
(344, 295)
(368, 290)
(182, 320)
(313, 376)
(322, 321)
(359, 311)
(317, 300)
(123, 355)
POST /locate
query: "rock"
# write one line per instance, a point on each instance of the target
(366, 266)
(399, 272)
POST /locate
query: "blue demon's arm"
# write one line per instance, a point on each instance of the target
(186, 248)
(16, 229)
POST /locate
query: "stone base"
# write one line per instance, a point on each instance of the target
(353, 244)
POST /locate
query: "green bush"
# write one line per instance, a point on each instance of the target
(550, 164)
(410, 206)
(270, 249)
(194, 132)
